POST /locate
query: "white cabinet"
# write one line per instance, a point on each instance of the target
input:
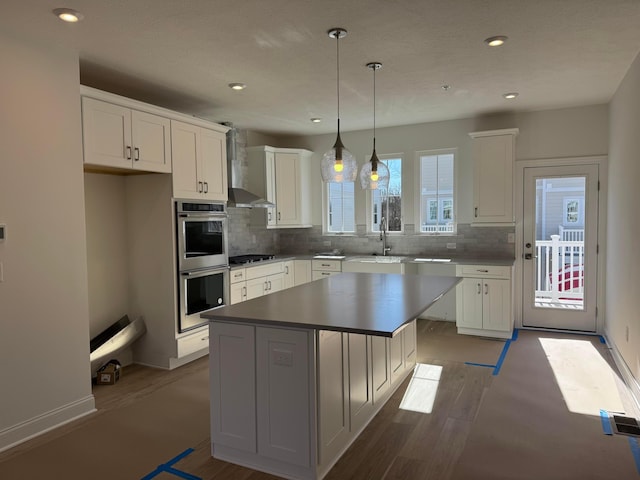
(493, 159)
(325, 268)
(289, 279)
(282, 176)
(124, 138)
(402, 352)
(484, 300)
(302, 269)
(199, 162)
(264, 279)
(237, 286)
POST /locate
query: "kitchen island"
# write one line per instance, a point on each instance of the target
(298, 374)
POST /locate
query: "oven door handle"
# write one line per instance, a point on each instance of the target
(207, 271)
(211, 215)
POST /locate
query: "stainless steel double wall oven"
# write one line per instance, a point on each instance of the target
(203, 260)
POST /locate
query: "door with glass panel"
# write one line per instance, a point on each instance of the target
(560, 247)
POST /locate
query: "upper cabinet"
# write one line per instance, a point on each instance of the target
(199, 162)
(282, 176)
(124, 138)
(493, 159)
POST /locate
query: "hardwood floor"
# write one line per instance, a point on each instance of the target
(464, 426)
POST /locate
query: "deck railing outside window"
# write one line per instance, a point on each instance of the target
(565, 258)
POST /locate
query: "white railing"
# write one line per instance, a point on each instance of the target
(448, 228)
(571, 234)
(566, 259)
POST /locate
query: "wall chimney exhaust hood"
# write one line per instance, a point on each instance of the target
(238, 196)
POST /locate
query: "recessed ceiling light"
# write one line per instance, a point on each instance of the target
(495, 41)
(445, 87)
(237, 86)
(316, 120)
(510, 95)
(68, 15)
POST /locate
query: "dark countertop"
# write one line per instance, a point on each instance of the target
(366, 303)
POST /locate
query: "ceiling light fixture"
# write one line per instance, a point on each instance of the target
(510, 95)
(316, 120)
(374, 174)
(68, 15)
(237, 86)
(496, 41)
(338, 164)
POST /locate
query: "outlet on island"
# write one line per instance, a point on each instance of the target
(451, 246)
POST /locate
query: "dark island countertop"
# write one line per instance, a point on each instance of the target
(366, 303)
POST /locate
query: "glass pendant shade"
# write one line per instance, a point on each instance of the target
(338, 164)
(374, 174)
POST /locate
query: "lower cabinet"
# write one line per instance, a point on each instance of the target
(484, 303)
(290, 401)
(325, 268)
(302, 271)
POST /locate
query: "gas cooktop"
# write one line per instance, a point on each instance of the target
(242, 259)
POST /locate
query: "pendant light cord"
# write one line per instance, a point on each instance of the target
(374, 108)
(338, 75)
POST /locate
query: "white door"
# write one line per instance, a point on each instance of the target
(560, 221)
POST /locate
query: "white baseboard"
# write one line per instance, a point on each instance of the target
(21, 432)
(629, 380)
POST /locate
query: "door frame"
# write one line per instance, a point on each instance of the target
(520, 165)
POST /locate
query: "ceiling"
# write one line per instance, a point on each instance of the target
(183, 54)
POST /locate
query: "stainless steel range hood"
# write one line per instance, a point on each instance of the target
(238, 196)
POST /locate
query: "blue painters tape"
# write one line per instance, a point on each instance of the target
(602, 340)
(514, 337)
(168, 468)
(479, 364)
(496, 370)
(635, 451)
(606, 424)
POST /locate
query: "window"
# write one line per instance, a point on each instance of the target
(437, 196)
(388, 206)
(341, 208)
(572, 212)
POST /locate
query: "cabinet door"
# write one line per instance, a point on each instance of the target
(493, 179)
(185, 144)
(106, 131)
(469, 303)
(213, 165)
(302, 271)
(283, 394)
(289, 274)
(496, 301)
(380, 368)
(151, 142)
(233, 380)
(333, 422)
(256, 287)
(360, 391)
(237, 292)
(270, 188)
(409, 346)
(396, 354)
(275, 283)
(288, 193)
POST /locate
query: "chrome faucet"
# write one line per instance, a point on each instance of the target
(383, 235)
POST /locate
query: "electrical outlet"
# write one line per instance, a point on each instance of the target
(282, 357)
(511, 238)
(451, 246)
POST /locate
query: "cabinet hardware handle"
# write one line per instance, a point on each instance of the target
(244, 291)
(286, 269)
(128, 152)
(476, 212)
(269, 216)
(279, 216)
(483, 270)
(199, 187)
(479, 289)
(486, 289)
(206, 187)
(266, 286)
(269, 284)
(136, 154)
(326, 274)
(326, 264)
(204, 338)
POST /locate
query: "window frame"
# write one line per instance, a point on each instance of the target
(440, 201)
(326, 212)
(370, 193)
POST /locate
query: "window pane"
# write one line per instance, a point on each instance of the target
(341, 211)
(389, 206)
(436, 193)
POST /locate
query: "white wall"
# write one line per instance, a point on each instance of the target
(623, 221)
(107, 254)
(44, 339)
(544, 134)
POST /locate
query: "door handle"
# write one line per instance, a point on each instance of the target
(206, 187)
(136, 154)
(128, 152)
(528, 256)
(199, 187)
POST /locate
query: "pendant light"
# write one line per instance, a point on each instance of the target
(338, 164)
(374, 174)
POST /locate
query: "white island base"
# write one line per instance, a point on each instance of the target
(290, 401)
